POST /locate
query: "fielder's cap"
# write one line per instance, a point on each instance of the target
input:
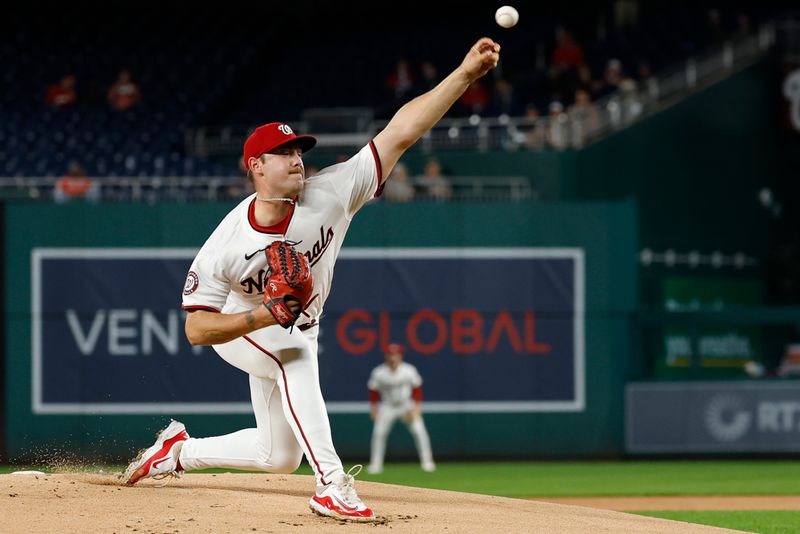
(270, 136)
(393, 348)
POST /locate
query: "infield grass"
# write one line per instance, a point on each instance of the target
(763, 522)
(583, 479)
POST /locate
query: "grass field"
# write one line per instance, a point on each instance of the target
(635, 478)
(763, 522)
(561, 479)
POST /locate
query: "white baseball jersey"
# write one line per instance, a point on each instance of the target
(228, 273)
(395, 387)
(227, 276)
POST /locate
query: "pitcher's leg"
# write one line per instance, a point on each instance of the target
(276, 443)
(270, 447)
(303, 405)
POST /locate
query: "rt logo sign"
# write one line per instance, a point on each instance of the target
(729, 418)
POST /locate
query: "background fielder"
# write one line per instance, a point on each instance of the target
(395, 392)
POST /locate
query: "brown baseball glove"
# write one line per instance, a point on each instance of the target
(289, 283)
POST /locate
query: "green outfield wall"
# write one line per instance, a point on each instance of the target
(606, 233)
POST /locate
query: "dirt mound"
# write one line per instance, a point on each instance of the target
(89, 503)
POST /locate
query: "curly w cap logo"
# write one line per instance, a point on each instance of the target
(726, 418)
(191, 283)
(284, 128)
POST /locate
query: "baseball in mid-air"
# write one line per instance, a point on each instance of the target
(506, 16)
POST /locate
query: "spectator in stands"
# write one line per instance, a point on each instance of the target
(534, 128)
(612, 76)
(643, 71)
(475, 100)
(790, 364)
(75, 185)
(62, 94)
(557, 126)
(239, 188)
(429, 76)
(124, 93)
(645, 81)
(433, 183)
(630, 99)
(567, 58)
(401, 80)
(400, 86)
(568, 54)
(587, 80)
(584, 117)
(504, 99)
(399, 188)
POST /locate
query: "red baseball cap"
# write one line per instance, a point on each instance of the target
(393, 348)
(270, 136)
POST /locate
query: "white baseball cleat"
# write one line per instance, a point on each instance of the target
(340, 500)
(428, 467)
(160, 460)
(374, 470)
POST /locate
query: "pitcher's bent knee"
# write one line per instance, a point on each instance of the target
(285, 463)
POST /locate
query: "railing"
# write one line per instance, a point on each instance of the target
(223, 189)
(126, 189)
(573, 128)
(480, 188)
(695, 259)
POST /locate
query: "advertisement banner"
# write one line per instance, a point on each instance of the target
(108, 336)
(700, 417)
(489, 330)
(704, 350)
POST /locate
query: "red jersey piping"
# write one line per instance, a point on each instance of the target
(277, 228)
(192, 307)
(378, 167)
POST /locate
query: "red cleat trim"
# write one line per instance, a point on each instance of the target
(342, 509)
(158, 458)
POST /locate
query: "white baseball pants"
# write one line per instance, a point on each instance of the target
(384, 421)
(291, 418)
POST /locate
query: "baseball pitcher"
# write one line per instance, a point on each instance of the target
(257, 288)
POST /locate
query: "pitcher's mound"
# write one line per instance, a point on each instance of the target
(88, 503)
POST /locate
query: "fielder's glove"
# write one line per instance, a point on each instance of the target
(289, 283)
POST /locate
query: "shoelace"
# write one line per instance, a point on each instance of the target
(167, 477)
(347, 486)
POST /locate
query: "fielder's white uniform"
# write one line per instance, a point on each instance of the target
(227, 276)
(398, 390)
